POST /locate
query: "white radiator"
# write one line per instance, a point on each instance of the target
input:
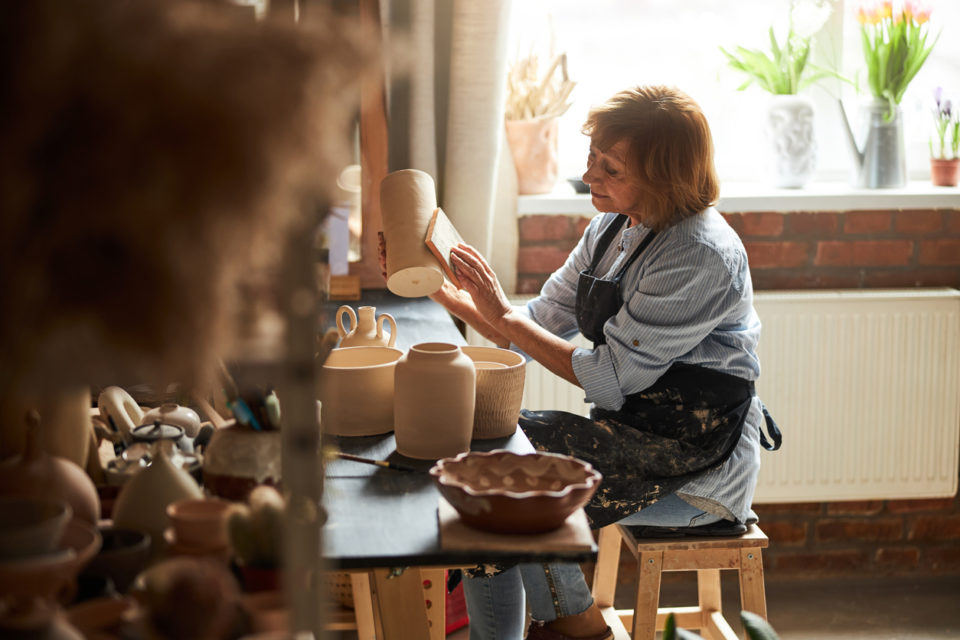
(864, 383)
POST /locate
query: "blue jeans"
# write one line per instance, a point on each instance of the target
(496, 604)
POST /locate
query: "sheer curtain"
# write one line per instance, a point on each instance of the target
(446, 115)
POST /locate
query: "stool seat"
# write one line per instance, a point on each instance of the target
(706, 555)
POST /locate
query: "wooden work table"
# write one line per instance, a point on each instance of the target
(383, 524)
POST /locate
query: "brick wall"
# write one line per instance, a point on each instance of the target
(823, 250)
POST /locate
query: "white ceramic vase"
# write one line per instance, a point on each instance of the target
(793, 144)
(434, 400)
(365, 328)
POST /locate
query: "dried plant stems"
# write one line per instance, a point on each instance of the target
(530, 96)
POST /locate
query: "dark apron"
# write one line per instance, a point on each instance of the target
(688, 422)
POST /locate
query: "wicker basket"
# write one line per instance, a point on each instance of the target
(338, 587)
(499, 391)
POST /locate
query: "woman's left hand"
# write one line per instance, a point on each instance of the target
(479, 280)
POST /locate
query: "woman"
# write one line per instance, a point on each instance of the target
(660, 283)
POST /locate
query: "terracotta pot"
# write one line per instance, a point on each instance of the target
(239, 459)
(365, 328)
(356, 391)
(500, 377)
(535, 150)
(256, 579)
(37, 473)
(200, 523)
(142, 503)
(944, 173)
(408, 199)
(434, 399)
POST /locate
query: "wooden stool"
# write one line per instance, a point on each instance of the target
(705, 555)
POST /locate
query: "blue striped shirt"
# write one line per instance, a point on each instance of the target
(687, 298)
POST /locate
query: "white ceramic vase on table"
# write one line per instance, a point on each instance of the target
(792, 140)
(434, 397)
(365, 328)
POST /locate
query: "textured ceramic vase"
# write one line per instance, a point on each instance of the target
(142, 503)
(793, 144)
(434, 399)
(356, 389)
(36, 473)
(500, 377)
(239, 459)
(535, 150)
(365, 329)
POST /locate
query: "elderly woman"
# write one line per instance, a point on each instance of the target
(660, 283)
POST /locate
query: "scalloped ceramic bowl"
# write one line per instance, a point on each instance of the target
(505, 492)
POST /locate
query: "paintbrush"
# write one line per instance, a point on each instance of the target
(333, 453)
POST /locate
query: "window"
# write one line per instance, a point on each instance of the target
(614, 44)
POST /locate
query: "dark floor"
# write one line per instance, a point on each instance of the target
(837, 609)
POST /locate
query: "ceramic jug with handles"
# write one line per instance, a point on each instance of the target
(365, 329)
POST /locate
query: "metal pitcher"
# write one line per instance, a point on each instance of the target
(880, 161)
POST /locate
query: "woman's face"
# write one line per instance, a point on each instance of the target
(611, 189)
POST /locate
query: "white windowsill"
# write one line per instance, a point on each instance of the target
(743, 197)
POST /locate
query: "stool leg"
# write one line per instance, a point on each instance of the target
(752, 595)
(708, 600)
(605, 571)
(649, 567)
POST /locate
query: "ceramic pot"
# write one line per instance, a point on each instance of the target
(31, 526)
(365, 329)
(500, 377)
(201, 524)
(176, 415)
(356, 391)
(142, 503)
(434, 400)
(535, 150)
(37, 473)
(119, 409)
(408, 199)
(793, 145)
(123, 554)
(239, 459)
(944, 172)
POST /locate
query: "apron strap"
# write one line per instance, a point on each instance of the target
(605, 239)
(772, 429)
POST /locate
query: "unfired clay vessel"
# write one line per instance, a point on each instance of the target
(365, 329)
(500, 377)
(434, 401)
(356, 391)
(118, 407)
(142, 503)
(408, 199)
(37, 473)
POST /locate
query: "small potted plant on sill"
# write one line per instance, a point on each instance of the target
(534, 106)
(784, 72)
(945, 147)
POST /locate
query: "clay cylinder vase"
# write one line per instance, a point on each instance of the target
(364, 328)
(356, 391)
(408, 199)
(433, 401)
(500, 377)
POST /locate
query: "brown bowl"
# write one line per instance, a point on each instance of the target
(31, 526)
(505, 492)
(500, 377)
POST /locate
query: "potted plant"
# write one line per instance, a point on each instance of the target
(895, 46)
(945, 154)
(534, 105)
(784, 72)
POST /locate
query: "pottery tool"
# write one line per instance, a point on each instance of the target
(236, 404)
(333, 453)
(408, 199)
(442, 236)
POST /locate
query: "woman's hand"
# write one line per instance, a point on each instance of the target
(479, 280)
